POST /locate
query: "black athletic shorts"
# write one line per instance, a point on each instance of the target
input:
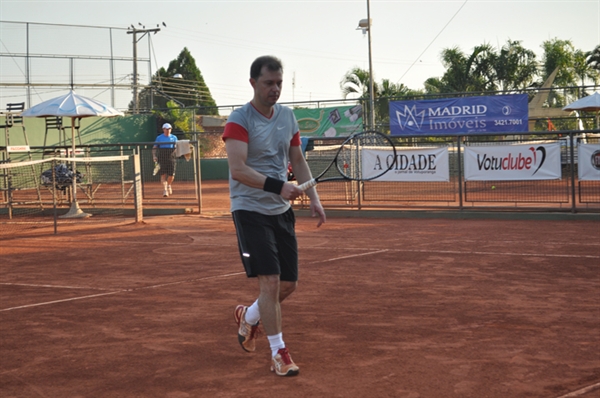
(268, 244)
(166, 161)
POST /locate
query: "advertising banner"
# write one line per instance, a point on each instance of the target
(588, 159)
(339, 121)
(423, 164)
(514, 162)
(466, 116)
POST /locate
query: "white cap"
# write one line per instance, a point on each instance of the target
(167, 126)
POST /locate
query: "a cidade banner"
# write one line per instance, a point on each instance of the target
(588, 160)
(423, 164)
(513, 162)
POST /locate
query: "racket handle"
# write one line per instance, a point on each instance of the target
(308, 184)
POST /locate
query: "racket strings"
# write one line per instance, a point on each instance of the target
(350, 155)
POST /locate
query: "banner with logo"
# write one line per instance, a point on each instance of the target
(513, 162)
(423, 164)
(588, 162)
(339, 121)
(466, 116)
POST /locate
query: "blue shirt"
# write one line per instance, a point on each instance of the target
(172, 139)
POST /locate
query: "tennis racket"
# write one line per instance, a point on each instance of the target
(351, 164)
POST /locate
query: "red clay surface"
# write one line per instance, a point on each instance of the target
(385, 308)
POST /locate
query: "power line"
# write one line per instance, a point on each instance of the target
(434, 39)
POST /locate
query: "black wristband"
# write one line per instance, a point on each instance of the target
(273, 185)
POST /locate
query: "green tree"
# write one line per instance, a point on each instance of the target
(593, 58)
(584, 71)
(559, 54)
(464, 72)
(514, 68)
(574, 67)
(181, 83)
(356, 81)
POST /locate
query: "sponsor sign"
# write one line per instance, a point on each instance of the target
(18, 148)
(340, 121)
(514, 162)
(588, 167)
(69, 152)
(465, 116)
(423, 164)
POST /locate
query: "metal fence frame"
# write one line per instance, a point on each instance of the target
(189, 172)
(564, 195)
(567, 194)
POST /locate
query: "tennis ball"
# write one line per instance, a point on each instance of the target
(493, 187)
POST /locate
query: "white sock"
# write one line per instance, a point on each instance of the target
(276, 342)
(253, 314)
(165, 185)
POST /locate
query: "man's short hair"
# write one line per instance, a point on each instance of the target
(272, 63)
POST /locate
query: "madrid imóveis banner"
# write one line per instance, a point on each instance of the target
(465, 116)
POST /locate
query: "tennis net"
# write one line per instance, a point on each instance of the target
(34, 191)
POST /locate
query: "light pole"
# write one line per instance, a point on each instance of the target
(365, 26)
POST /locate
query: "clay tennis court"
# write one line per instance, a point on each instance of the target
(386, 307)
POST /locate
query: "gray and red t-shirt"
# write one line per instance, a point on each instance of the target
(269, 141)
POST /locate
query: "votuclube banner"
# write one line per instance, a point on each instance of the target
(588, 159)
(423, 164)
(513, 162)
(468, 116)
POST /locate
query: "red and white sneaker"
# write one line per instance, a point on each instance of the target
(246, 333)
(283, 365)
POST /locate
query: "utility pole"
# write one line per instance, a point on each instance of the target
(135, 31)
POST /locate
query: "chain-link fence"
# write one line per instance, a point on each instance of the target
(40, 61)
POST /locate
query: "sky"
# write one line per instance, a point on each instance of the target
(318, 41)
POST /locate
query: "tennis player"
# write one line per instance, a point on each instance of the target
(163, 153)
(260, 138)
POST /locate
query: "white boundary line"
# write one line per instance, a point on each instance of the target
(351, 256)
(582, 391)
(499, 253)
(54, 286)
(108, 293)
(60, 301)
(314, 262)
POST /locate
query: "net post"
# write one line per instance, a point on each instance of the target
(198, 171)
(137, 191)
(54, 193)
(460, 172)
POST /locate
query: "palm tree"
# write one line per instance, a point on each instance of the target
(356, 81)
(464, 73)
(593, 58)
(559, 54)
(584, 70)
(515, 67)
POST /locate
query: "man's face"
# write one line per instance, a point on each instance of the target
(267, 87)
(166, 131)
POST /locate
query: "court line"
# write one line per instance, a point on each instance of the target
(118, 291)
(459, 252)
(196, 243)
(60, 301)
(350, 256)
(53, 286)
(314, 262)
(498, 253)
(582, 391)
(187, 281)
